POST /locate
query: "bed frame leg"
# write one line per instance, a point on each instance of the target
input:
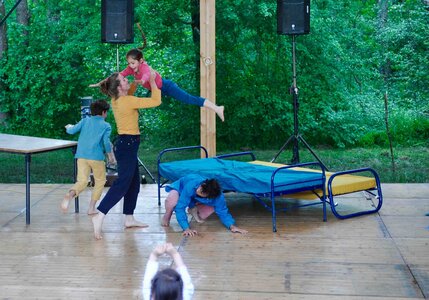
(325, 218)
(379, 195)
(273, 210)
(159, 189)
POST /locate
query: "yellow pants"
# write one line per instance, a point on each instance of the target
(84, 167)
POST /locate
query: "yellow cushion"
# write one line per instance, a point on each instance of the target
(343, 184)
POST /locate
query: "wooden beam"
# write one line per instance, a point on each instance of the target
(208, 73)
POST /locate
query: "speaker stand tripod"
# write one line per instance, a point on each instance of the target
(296, 137)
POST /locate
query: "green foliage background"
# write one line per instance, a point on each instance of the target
(352, 58)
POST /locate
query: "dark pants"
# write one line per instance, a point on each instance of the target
(127, 185)
(171, 89)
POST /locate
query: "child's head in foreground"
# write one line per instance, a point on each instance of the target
(167, 285)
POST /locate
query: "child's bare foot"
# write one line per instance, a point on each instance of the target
(131, 222)
(97, 222)
(92, 211)
(165, 221)
(91, 208)
(219, 111)
(194, 213)
(66, 200)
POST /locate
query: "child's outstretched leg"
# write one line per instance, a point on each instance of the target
(171, 89)
(216, 108)
(170, 204)
(84, 168)
(66, 200)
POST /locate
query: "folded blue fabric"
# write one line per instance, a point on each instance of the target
(243, 176)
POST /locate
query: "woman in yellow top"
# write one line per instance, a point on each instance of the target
(127, 185)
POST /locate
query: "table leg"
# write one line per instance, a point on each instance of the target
(76, 199)
(27, 188)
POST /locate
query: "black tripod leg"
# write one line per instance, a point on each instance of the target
(283, 147)
(146, 169)
(295, 151)
(311, 150)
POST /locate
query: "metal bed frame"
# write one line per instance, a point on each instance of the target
(322, 188)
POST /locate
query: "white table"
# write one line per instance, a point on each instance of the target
(28, 146)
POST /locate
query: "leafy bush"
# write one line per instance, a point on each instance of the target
(344, 67)
(410, 128)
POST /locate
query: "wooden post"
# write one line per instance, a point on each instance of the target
(208, 73)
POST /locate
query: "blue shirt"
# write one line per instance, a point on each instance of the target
(187, 188)
(94, 138)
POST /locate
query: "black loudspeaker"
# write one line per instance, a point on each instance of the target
(293, 17)
(117, 19)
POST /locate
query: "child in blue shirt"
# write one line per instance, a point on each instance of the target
(202, 197)
(93, 143)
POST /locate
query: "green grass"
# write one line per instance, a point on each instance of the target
(411, 164)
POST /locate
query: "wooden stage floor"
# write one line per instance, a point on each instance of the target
(379, 256)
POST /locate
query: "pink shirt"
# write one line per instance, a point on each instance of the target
(143, 74)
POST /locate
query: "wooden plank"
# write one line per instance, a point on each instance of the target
(208, 73)
(295, 266)
(56, 257)
(233, 295)
(414, 250)
(407, 227)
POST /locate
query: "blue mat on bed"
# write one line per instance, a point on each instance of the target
(243, 176)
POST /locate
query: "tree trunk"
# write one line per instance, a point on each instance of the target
(195, 11)
(3, 40)
(22, 17)
(383, 8)
(3, 52)
(389, 136)
(385, 69)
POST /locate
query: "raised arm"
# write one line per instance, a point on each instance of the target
(151, 269)
(98, 83)
(152, 79)
(153, 101)
(72, 129)
(225, 216)
(188, 287)
(175, 255)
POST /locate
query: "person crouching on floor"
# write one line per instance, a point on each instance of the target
(202, 197)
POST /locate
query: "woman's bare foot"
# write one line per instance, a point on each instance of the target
(219, 111)
(66, 201)
(91, 208)
(97, 222)
(131, 222)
